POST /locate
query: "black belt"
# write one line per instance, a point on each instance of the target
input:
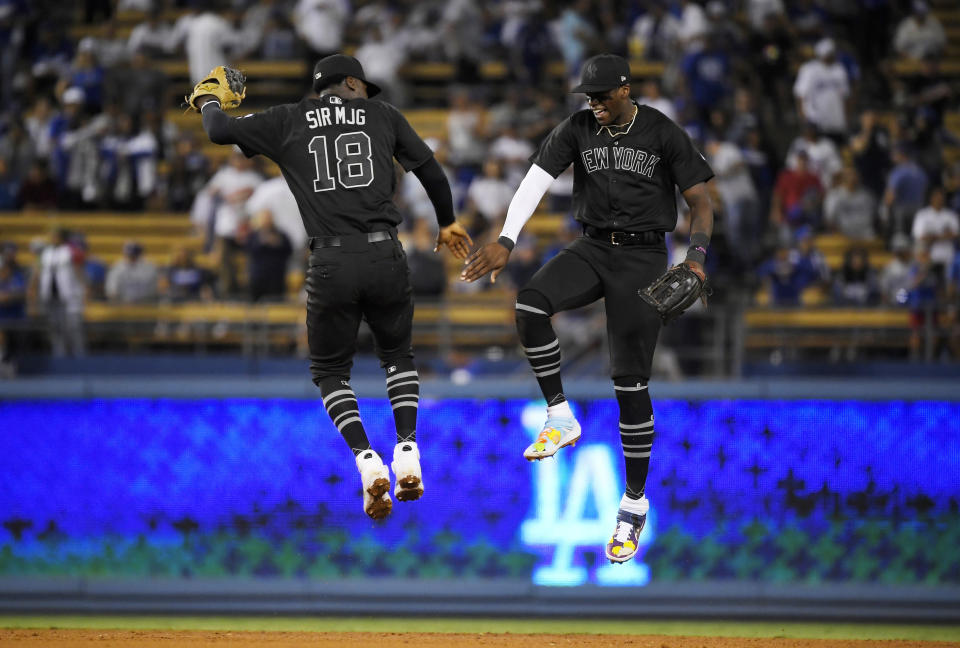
(618, 238)
(337, 241)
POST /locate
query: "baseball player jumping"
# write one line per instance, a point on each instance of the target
(627, 160)
(336, 150)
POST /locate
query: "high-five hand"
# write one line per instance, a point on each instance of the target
(490, 258)
(455, 237)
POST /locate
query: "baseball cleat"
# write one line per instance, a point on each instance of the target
(557, 432)
(376, 485)
(406, 469)
(630, 519)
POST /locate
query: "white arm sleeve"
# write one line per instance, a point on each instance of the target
(525, 201)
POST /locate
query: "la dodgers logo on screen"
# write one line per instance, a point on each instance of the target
(575, 499)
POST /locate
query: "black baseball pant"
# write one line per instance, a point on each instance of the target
(589, 269)
(355, 281)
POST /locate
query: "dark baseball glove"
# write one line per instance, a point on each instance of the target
(675, 291)
(226, 84)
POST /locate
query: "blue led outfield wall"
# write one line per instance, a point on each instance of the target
(777, 491)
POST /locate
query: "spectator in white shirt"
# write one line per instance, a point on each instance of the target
(488, 197)
(220, 212)
(895, 279)
(210, 40)
(466, 126)
(513, 152)
(153, 36)
(128, 164)
(275, 196)
(920, 34)
(655, 35)
(822, 156)
(108, 48)
(822, 90)
(382, 54)
(132, 279)
(321, 23)
(651, 96)
(758, 10)
(938, 228)
(413, 197)
(850, 208)
(693, 26)
(62, 293)
(741, 206)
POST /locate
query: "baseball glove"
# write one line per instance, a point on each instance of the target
(226, 84)
(675, 291)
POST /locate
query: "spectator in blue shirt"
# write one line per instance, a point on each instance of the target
(707, 73)
(52, 51)
(13, 285)
(953, 305)
(183, 280)
(87, 74)
(811, 264)
(9, 187)
(13, 311)
(922, 297)
(906, 190)
(785, 276)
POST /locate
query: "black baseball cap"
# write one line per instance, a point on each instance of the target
(603, 72)
(337, 67)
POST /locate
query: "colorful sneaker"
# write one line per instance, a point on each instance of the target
(630, 519)
(376, 485)
(406, 469)
(557, 432)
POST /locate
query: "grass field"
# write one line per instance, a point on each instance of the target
(825, 630)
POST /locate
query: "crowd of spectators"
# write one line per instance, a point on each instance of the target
(816, 116)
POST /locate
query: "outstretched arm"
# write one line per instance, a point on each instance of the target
(493, 256)
(452, 234)
(215, 121)
(701, 225)
(256, 134)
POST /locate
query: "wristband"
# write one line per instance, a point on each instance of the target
(507, 243)
(697, 251)
(697, 254)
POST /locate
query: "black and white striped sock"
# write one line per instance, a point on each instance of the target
(636, 432)
(341, 405)
(545, 361)
(540, 344)
(403, 389)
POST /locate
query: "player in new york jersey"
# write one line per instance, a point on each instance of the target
(336, 150)
(628, 159)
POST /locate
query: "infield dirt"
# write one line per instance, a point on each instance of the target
(36, 638)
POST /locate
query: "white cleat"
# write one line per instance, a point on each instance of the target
(631, 516)
(376, 485)
(557, 432)
(406, 468)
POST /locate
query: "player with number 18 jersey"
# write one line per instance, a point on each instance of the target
(325, 147)
(336, 150)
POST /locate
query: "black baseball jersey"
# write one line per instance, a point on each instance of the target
(624, 177)
(337, 157)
